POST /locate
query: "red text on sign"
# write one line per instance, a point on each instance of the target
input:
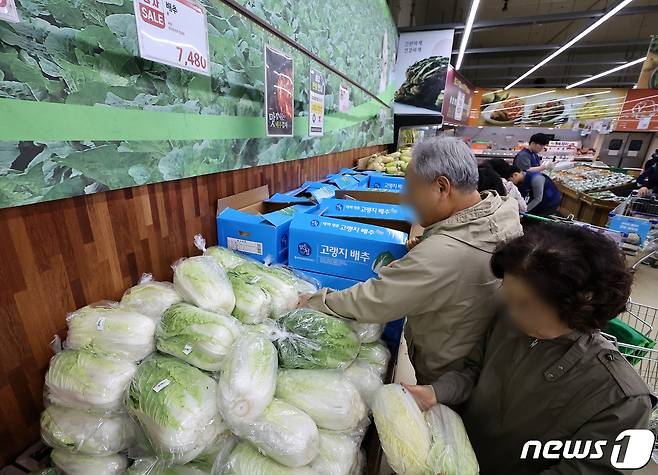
(152, 16)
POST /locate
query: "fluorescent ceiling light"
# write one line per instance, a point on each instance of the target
(467, 33)
(609, 71)
(572, 42)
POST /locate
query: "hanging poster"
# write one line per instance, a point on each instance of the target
(649, 75)
(8, 11)
(316, 104)
(279, 89)
(457, 99)
(174, 32)
(344, 99)
(640, 111)
(421, 71)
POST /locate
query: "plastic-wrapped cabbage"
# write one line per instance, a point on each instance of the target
(338, 454)
(282, 289)
(253, 303)
(76, 464)
(217, 454)
(402, 430)
(360, 467)
(149, 466)
(302, 284)
(376, 355)
(331, 400)
(111, 330)
(176, 405)
(311, 339)
(204, 283)
(82, 380)
(47, 471)
(150, 298)
(368, 332)
(246, 460)
(247, 384)
(366, 378)
(451, 452)
(202, 338)
(86, 433)
(227, 258)
(284, 433)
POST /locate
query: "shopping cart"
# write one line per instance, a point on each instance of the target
(637, 219)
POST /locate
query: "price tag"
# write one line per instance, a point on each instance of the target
(173, 32)
(644, 123)
(161, 385)
(187, 349)
(344, 100)
(8, 11)
(100, 324)
(316, 104)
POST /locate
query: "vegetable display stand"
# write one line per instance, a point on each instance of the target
(595, 210)
(571, 203)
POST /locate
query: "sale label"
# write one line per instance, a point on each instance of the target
(316, 104)
(173, 32)
(8, 11)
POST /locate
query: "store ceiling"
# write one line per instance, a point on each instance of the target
(509, 37)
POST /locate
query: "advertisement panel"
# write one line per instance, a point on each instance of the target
(640, 111)
(649, 75)
(457, 99)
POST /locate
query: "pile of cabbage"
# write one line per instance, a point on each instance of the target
(217, 372)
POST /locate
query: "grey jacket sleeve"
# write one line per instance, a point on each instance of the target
(629, 413)
(537, 184)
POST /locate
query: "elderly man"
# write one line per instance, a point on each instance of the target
(444, 285)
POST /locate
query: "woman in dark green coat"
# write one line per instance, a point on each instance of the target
(544, 372)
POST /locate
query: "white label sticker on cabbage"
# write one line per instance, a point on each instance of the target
(100, 324)
(187, 349)
(243, 245)
(161, 385)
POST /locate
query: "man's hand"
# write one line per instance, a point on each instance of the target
(644, 191)
(303, 301)
(413, 242)
(424, 396)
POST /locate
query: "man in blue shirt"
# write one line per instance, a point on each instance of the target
(648, 181)
(543, 196)
(528, 159)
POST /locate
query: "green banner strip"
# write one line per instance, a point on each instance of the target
(49, 122)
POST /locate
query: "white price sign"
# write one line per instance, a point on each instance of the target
(344, 99)
(316, 104)
(173, 32)
(8, 11)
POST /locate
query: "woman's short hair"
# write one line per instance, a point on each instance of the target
(488, 179)
(577, 271)
(504, 169)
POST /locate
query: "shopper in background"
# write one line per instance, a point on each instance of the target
(488, 179)
(648, 180)
(444, 285)
(540, 191)
(528, 159)
(544, 371)
(505, 170)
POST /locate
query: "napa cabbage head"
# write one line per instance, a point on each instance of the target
(204, 283)
(253, 303)
(150, 466)
(76, 464)
(367, 332)
(402, 430)
(151, 298)
(246, 460)
(451, 452)
(202, 338)
(83, 380)
(366, 378)
(339, 454)
(376, 355)
(283, 290)
(227, 258)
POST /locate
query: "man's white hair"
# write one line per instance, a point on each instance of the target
(446, 156)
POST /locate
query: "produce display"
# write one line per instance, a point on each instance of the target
(585, 178)
(150, 298)
(424, 83)
(392, 164)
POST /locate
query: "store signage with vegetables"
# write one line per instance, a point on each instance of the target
(279, 89)
(173, 32)
(457, 99)
(8, 11)
(316, 104)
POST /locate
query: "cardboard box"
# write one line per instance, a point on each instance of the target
(331, 281)
(386, 182)
(342, 248)
(390, 216)
(343, 182)
(246, 223)
(309, 194)
(371, 195)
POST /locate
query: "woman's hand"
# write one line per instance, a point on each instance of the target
(424, 396)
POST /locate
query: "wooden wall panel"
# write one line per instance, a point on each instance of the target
(61, 255)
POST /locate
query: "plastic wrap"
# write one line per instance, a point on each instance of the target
(82, 380)
(331, 400)
(402, 430)
(338, 454)
(311, 339)
(204, 283)
(150, 298)
(225, 257)
(283, 433)
(176, 405)
(111, 330)
(85, 432)
(368, 332)
(283, 290)
(148, 466)
(246, 460)
(253, 304)
(48, 471)
(76, 464)
(202, 338)
(217, 454)
(367, 379)
(360, 467)
(247, 384)
(376, 355)
(451, 452)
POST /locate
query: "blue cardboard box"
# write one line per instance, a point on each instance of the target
(310, 193)
(343, 182)
(342, 248)
(386, 182)
(331, 281)
(247, 224)
(393, 216)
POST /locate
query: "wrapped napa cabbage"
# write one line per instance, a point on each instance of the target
(451, 452)
(47, 471)
(283, 433)
(85, 432)
(217, 454)
(150, 298)
(366, 378)
(246, 386)
(311, 339)
(199, 337)
(203, 282)
(282, 288)
(338, 454)
(376, 355)
(227, 258)
(253, 303)
(148, 466)
(331, 400)
(360, 467)
(368, 332)
(76, 464)
(176, 405)
(111, 330)
(246, 460)
(82, 380)
(402, 430)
